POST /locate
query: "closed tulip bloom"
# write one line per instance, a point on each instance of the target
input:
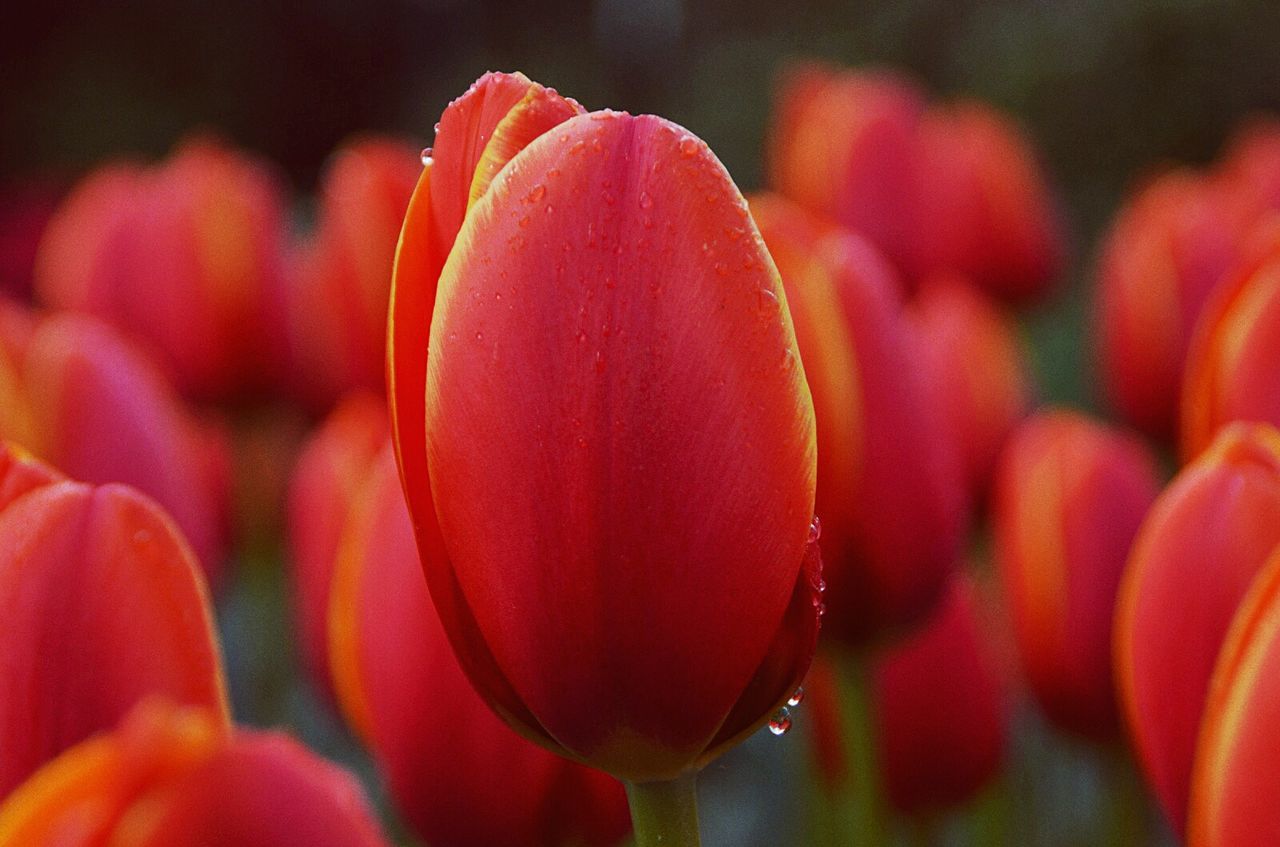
(1069, 497)
(102, 412)
(456, 772)
(844, 144)
(173, 776)
(1164, 253)
(184, 255)
(889, 490)
(976, 367)
(1235, 798)
(940, 710)
(618, 432)
(329, 470)
(103, 606)
(1233, 369)
(1198, 549)
(340, 277)
(985, 207)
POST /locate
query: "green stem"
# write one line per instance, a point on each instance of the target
(665, 813)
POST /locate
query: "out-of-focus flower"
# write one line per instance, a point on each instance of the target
(889, 490)
(186, 256)
(25, 209)
(80, 396)
(1166, 250)
(340, 277)
(329, 472)
(456, 772)
(976, 369)
(1235, 797)
(940, 709)
(1233, 368)
(844, 144)
(1196, 553)
(1069, 497)
(174, 776)
(617, 426)
(103, 605)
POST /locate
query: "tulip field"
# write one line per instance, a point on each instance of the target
(551, 478)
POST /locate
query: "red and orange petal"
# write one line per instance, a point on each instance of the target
(1234, 796)
(985, 208)
(103, 606)
(174, 776)
(1165, 252)
(1069, 497)
(630, 356)
(400, 684)
(21, 472)
(107, 415)
(1232, 368)
(1172, 612)
(940, 709)
(976, 368)
(329, 471)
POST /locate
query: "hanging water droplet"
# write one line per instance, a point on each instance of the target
(780, 723)
(815, 530)
(425, 155)
(768, 300)
(436, 128)
(796, 698)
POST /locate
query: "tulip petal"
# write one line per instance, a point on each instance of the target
(103, 605)
(21, 472)
(661, 307)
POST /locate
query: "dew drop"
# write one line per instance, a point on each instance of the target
(436, 128)
(815, 530)
(768, 300)
(780, 723)
(524, 221)
(646, 202)
(688, 146)
(142, 536)
(425, 155)
(536, 193)
(479, 336)
(796, 698)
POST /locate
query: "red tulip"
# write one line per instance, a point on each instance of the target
(1235, 799)
(456, 772)
(844, 144)
(175, 777)
(341, 277)
(100, 411)
(976, 368)
(1251, 161)
(1164, 254)
(1069, 497)
(185, 255)
(102, 606)
(985, 208)
(618, 432)
(1200, 546)
(940, 711)
(328, 472)
(1233, 369)
(889, 491)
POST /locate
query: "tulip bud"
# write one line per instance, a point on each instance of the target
(103, 606)
(940, 710)
(976, 369)
(1234, 796)
(985, 208)
(341, 277)
(186, 256)
(1233, 369)
(1069, 497)
(104, 413)
(329, 472)
(174, 777)
(1196, 553)
(889, 491)
(1162, 257)
(617, 426)
(400, 685)
(844, 144)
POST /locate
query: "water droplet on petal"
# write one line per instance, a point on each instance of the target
(688, 146)
(646, 202)
(425, 155)
(524, 221)
(796, 698)
(780, 723)
(815, 530)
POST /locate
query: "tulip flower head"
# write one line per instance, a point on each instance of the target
(1199, 548)
(614, 486)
